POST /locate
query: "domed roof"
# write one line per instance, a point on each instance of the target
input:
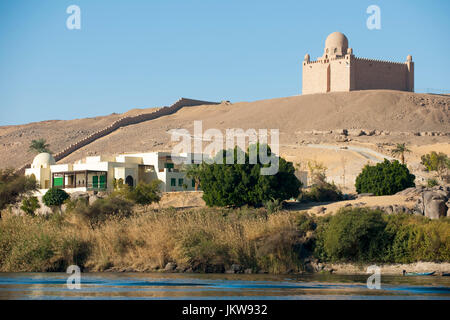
(336, 43)
(43, 160)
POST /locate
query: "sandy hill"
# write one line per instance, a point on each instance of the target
(383, 110)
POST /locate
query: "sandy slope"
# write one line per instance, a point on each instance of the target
(385, 110)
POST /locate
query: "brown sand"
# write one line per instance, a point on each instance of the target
(399, 113)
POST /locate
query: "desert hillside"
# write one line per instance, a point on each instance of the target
(374, 119)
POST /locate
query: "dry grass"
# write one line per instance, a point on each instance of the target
(205, 240)
(199, 239)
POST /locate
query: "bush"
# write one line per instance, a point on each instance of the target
(30, 205)
(415, 238)
(273, 206)
(205, 253)
(13, 185)
(356, 235)
(432, 183)
(101, 209)
(384, 178)
(145, 193)
(55, 197)
(438, 162)
(240, 184)
(321, 192)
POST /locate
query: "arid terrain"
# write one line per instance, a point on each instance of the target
(342, 130)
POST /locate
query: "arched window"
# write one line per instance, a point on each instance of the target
(129, 181)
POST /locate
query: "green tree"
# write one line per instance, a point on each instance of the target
(55, 197)
(400, 150)
(438, 162)
(13, 185)
(30, 205)
(384, 178)
(238, 184)
(193, 172)
(39, 146)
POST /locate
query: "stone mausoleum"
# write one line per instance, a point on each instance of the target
(340, 70)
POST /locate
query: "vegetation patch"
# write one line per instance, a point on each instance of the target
(385, 178)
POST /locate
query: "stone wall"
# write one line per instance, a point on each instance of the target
(367, 74)
(122, 122)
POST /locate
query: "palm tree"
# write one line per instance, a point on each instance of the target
(400, 150)
(193, 172)
(39, 146)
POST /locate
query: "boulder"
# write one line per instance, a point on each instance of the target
(355, 132)
(171, 266)
(341, 138)
(235, 268)
(434, 204)
(388, 209)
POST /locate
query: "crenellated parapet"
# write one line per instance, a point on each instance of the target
(379, 61)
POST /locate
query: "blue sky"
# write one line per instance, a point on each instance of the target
(136, 53)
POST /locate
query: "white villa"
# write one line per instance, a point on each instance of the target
(101, 173)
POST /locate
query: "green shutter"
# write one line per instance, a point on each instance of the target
(95, 182)
(173, 182)
(193, 183)
(102, 182)
(169, 165)
(58, 181)
(180, 182)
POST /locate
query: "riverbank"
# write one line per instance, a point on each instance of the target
(392, 269)
(328, 268)
(221, 240)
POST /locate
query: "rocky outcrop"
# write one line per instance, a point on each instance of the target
(430, 202)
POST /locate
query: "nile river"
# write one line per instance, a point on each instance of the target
(218, 286)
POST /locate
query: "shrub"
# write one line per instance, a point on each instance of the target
(13, 185)
(30, 205)
(118, 183)
(356, 235)
(384, 178)
(273, 206)
(438, 162)
(432, 183)
(239, 184)
(415, 238)
(145, 193)
(321, 192)
(101, 209)
(204, 253)
(55, 197)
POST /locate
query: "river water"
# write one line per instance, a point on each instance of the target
(219, 286)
